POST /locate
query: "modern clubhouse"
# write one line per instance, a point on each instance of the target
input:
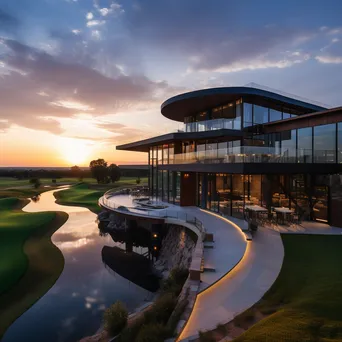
(244, 146)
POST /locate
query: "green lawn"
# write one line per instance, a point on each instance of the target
(29, 262)
(15, 228)
(305, 302)
(87, 195)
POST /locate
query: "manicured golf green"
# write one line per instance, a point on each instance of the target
(29, 262)
(305, 302)
(15, 227)
(87, 195)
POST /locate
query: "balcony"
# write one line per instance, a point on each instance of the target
(212, 125)
(255, 154)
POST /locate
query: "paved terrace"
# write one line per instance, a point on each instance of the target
(237, 273)
(229, 241)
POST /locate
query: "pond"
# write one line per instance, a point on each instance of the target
(74, 306)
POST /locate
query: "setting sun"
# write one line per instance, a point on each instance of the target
(74, 151)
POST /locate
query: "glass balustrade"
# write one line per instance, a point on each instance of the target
(211, 125)
(253, 154)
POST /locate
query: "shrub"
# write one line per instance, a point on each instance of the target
(153, 332)
(174, 283)
(176, 315)
(115, 318)
(161, 310)
(131, 331)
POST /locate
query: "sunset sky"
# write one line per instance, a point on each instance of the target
(78, 77)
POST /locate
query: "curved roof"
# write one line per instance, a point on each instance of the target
(180, 106)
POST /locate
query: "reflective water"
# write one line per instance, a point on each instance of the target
(74, 306)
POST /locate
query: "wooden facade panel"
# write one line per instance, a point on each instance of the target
(188, 189)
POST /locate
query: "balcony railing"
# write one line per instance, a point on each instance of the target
(255, 154)
(212, 125)
(126, 203)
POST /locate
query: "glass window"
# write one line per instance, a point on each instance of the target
(288, 145)
(171, 187)
(222, 150)
(237, 120)
(228, 111)
(247, 115)
(339, 142)
(216, 112)
(165, 154)
(286, 115)
(177, 183)
(304, 145)
(260, 115)
(275, 115)
(171, 153)
(325, 143)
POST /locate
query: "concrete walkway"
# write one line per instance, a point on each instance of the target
(241, 271)
(229, 246)
(242, 287)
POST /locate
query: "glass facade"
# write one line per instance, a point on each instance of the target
(304, 145)
(325, 143)
(228, 194)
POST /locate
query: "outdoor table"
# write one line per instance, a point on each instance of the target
(283, 212)
(255, 208)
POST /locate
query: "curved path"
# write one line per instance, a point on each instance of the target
(73, 307)
(240, 288)
(241, 271)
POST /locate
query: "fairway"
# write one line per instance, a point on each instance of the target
(87, 195)
(305, 302)
(15, 227)
(29, 262)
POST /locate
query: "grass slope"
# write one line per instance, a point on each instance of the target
(87, 195)
(15, 227)
(29, 262)
(306, 298)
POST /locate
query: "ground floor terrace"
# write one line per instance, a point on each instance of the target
(278, 197)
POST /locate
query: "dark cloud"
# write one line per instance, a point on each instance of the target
(211, 36)
(40, 85)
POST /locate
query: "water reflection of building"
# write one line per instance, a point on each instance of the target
(247, 146)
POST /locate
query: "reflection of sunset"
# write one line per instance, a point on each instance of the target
(73, 244)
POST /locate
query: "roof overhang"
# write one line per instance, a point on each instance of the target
(180, 106)
(325, 117)
(144, 145)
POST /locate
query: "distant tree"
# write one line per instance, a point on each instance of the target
(99, 170)
(138, 180)
(54, 181)
(35, 182)
(76, 171)
(114, 172)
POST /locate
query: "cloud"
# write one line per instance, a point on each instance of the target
(92, 23)
(38, 88)
(209, 40)
(329, 59)
(114, 9)
(89, 16)
(111, 127)
(332, 52)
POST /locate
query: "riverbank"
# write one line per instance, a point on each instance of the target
(30, 263)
